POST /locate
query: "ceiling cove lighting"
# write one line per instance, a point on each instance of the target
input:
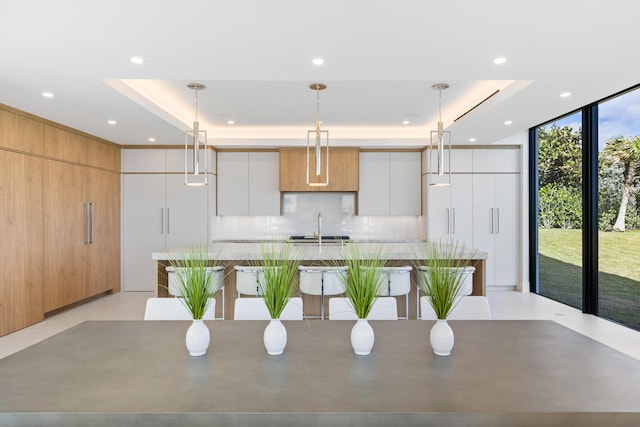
(439, 141)
(319, 138)
(195, 138)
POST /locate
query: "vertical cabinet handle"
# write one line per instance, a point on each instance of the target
(491, 221)
(168, 220)
(91, 223)
(88, 223)
(497, 220)
(454, 220)
(161, 220)
(448, 221)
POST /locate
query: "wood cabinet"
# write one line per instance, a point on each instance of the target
(21, 241)
(343, 170)
(45, 187)
(248, 183)
(389, 184)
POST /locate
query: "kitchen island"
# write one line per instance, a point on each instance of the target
(231, 254)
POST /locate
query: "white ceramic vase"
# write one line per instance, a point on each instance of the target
(362, 337)
(275, 337)
(441, 338)
(197, 338)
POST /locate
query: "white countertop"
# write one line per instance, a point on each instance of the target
(310, 252)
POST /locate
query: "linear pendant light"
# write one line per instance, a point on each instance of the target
(438, 141)
(320, 138)
(196, 139)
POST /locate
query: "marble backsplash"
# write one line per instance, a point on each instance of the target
(300, 217)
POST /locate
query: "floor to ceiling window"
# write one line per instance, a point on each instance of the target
(619, 209)
(585, 223)
(560, 210)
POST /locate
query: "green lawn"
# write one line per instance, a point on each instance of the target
(619, 255)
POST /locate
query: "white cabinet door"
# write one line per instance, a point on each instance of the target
(373, 194)
(438, 212)
(495, 226)
(233, 183)
(450, 211)
(144, 228)
(264, 179)
(506, 230)
(462, 209)
(186, 213)
(404, 183)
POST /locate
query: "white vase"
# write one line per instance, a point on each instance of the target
(441, 338)
(362, 337)
(197, 338)
(275, 337)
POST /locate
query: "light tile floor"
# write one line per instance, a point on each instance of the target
(504, 305)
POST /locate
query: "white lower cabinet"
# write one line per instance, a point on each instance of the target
(496, 224)
(159, 212)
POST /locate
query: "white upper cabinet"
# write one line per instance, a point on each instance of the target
(248, 183)
(389, 184)
(496, 160)
(461, 160)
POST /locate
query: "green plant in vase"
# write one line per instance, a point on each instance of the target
(277, 282)
(197, 289)
(442, 283)
(363, 283)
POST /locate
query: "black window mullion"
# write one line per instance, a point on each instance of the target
(590, 209)
(534, 264)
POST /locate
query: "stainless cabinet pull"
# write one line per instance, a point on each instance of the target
(454, 220)
(491, 220)
(498, 221)
(168, 220)
(90, 223)
(161, 220)
(448, 221)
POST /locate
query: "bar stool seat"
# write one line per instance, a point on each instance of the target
(247, 280)
(321, 280)
(398, 282)
(175, 287)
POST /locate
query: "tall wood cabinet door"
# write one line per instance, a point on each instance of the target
(144, 229)
(64, 234)
(21, 241)
(103, 250)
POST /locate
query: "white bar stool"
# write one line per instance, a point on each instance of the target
(465, 289)
(321, 280)
(247, 280)
(398, 280)
(175, 287)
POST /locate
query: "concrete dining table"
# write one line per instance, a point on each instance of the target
(500, 373)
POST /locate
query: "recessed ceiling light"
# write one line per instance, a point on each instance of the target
(231, 122)
(317, 61)
(500, 60)
(565, 94)
(47, 94)
(112, 122)
(405, 122)
(137, 60)
(508, 122)
(152, 139)
(472, 140)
